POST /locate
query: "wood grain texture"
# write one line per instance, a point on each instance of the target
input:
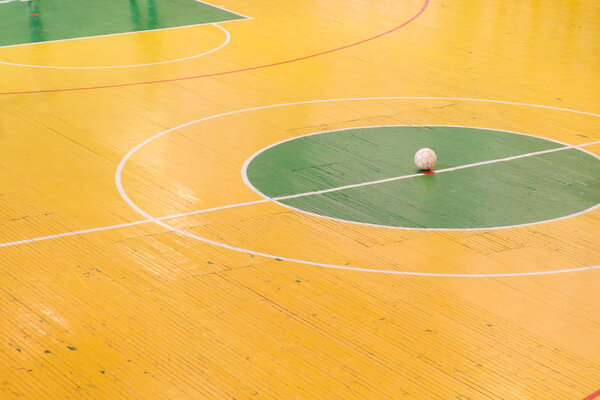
(142, 312)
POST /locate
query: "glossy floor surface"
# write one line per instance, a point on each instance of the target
(141, 259)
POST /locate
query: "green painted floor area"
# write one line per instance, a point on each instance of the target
(516, 192)
(39, 21)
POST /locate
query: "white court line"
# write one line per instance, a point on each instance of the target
(223, 8)
(128, 224)
(277, 200)
(126, 198)
(299, 195)
(134, 32)
(225, 43)
(205, 240)
(397, 178)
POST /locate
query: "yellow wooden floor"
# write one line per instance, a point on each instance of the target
(139, 311)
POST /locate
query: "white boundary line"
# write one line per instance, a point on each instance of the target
(134, 32)
(120, 167)
(278, 199)
(224, 9)
(225, 43)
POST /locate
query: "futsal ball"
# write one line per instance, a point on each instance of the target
(425, 159)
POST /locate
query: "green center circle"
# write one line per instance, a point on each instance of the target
(558, 182)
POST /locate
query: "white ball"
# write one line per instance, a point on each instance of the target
(425, 159)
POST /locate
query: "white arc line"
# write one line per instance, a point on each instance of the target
(280, 198)
(159, 220)
(565, 146)
(225, 43)
(128, 224)
(126, 198)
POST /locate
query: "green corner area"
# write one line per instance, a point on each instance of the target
(520, 191)
(46, 20)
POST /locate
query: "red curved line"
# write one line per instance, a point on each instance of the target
(417, 15)
(593, 396)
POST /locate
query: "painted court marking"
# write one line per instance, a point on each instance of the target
(593, 396)
(223, 8)
(160, 220)
(414, 17)
(277, 199)
(392, 179)
(125, 197)
(225, 43)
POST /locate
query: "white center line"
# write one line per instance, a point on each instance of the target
(288, 197)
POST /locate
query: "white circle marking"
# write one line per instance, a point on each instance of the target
(119, 184)
(225, 43)
(275, 200)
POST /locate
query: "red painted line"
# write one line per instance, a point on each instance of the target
(414, 17)
(592, 396)
(35, 14)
